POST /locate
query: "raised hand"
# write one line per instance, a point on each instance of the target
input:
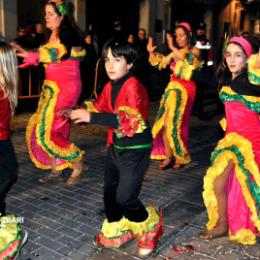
(150, 47)
(169, 39)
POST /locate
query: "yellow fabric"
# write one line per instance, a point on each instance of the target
(77, 53)
(9, 231)
(252, 70)
(118, 228)
(34, 122)
(170, 112)
(183, 69)
(114, 229)
(229, 91)
(45, 56)
(139, 228)
(223, 123)
(220, 163)
(90, 106)
(159, 60)
(244, 236)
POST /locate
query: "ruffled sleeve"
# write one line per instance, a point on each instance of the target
(183, 69)
(159, 60)
(77, 53)
(52, 52)
(253, 73)
(31, 60)
(130, 122)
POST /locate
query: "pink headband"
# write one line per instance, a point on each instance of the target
(186, 25)
(243, 43)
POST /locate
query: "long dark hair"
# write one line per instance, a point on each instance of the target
(68, 24)
(223, 73)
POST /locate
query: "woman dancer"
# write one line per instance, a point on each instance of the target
(232, 183)
(48, 130)
(171, 127)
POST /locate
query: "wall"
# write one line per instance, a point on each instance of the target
(80, 13)
(8, 18)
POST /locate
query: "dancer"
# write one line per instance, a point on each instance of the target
(171, 127)
(47, 133)
(11, 236)
(123, 107)
(232, 183)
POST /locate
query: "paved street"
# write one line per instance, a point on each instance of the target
(62, 220)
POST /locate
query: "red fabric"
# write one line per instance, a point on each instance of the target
(150, 240)
(31, 60)
(66, 75)
(132, 94)
(5, 116)
(101, 240)
(246, 123)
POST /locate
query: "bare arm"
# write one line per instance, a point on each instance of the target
(19, 50)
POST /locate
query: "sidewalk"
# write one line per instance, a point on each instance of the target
(62, 221)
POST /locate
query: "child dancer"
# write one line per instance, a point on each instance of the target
(232, 183)
(123, 107)
(10, 232)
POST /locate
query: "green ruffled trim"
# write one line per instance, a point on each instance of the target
(254, 189)
(161, 111)
(175, 123)
(53, 54)
(254, 106)
(43, 122)
(253, 79)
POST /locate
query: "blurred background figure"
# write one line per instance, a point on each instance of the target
(255, 42)
(26, 41)
(118, 33)
(143, 70)
(203, 76)
(87, 67)
(94, 37)
(38, 35)
(142, 41)
(22, 38)
(131, 38)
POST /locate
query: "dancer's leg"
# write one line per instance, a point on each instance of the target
(220, 191)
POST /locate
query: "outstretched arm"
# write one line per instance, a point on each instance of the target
(30, 58)
(20, 52)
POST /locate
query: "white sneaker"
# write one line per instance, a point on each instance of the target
(23, 242)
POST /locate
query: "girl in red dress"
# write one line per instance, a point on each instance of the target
(232, 183)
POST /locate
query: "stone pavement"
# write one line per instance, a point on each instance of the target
(62, 220)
